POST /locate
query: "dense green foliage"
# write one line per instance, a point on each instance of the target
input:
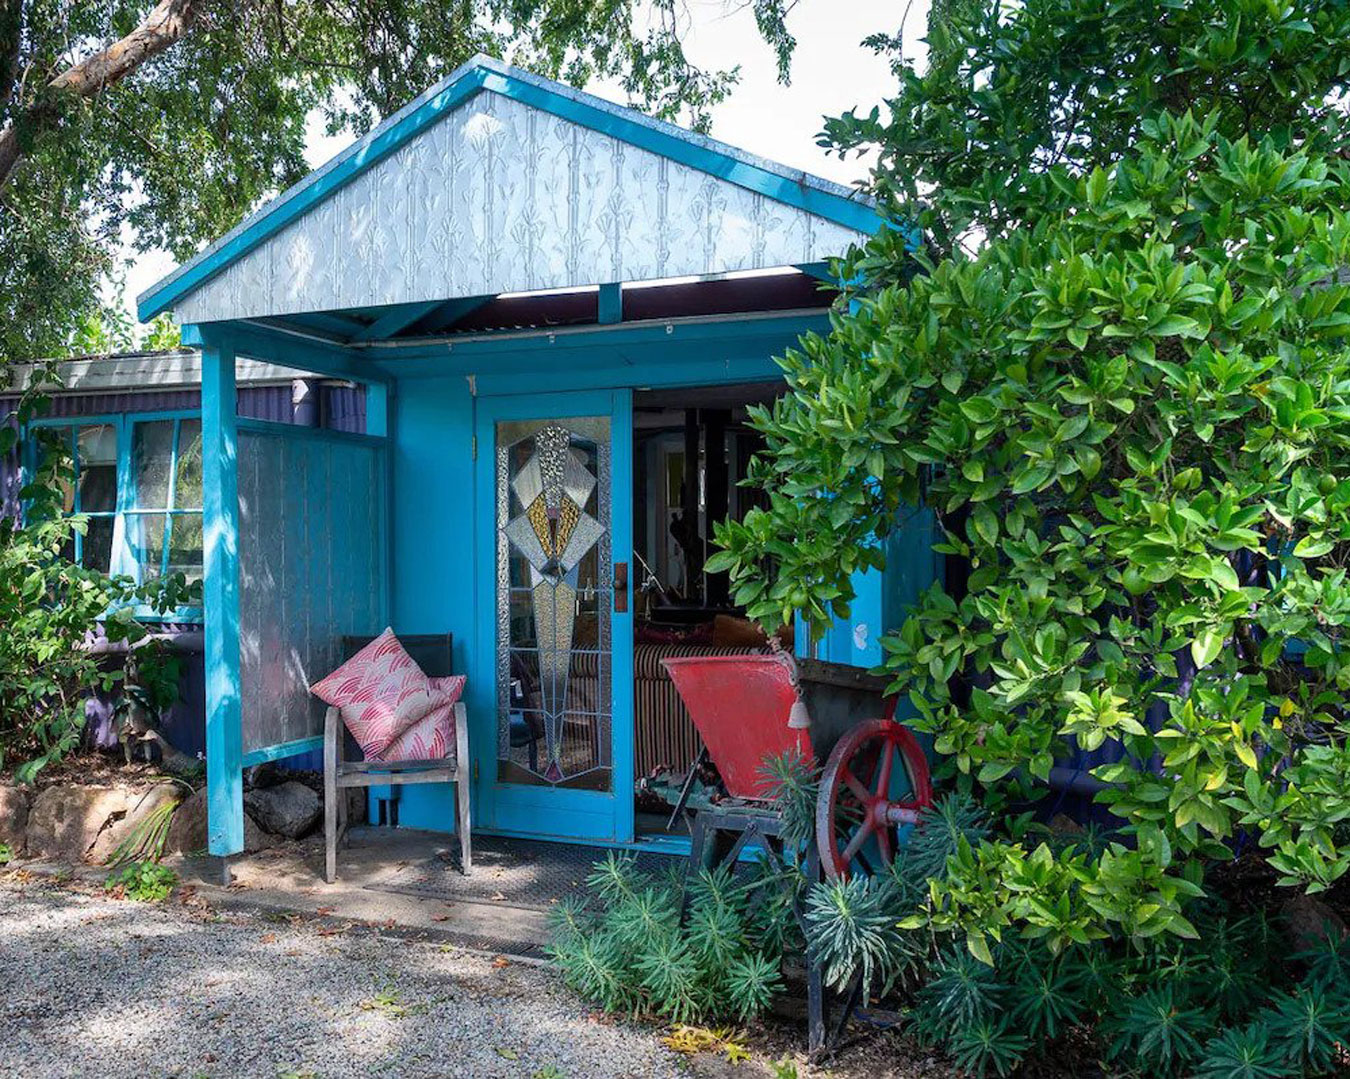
(628, 952)
(1128, 405)
(180, 146)
(49, 606)
(1232, 1003)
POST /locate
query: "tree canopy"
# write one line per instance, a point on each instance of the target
(174, 119)
(1121, 382)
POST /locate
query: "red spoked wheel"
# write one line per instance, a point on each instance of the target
(856, 801)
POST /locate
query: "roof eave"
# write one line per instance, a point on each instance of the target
(821, 197)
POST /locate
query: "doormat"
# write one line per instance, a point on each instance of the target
(515, 872)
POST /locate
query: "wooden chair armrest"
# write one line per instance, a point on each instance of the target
(332, 735)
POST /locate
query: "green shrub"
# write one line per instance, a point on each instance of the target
(145, 882)
(1307, 1025)
(48, 605)
(1244, 1053)
(629, 952)
(1102, 339)
(1231, 1002)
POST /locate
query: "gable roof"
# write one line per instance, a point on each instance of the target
(706, 207)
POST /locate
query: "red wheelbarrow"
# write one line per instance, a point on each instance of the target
(875, 778)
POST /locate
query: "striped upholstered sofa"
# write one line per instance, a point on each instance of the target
(665, 735)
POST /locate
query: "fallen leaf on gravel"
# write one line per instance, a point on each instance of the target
(333, 930)
(498, 896)
(323, 912)
(684, 1038)
(507, 1052)
(501, 961)
(389, 923)
(440, 917)
(295, 951)
(269, 938)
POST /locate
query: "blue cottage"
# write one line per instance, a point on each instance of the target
(559, 311)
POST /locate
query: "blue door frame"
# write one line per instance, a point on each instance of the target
(545, 811)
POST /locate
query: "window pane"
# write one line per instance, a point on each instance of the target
(146, 534)
(152, 455)
(98, 544)
(188, 495)
(185, 551)
(96, 452)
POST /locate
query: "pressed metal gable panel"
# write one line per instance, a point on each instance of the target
(502, 197)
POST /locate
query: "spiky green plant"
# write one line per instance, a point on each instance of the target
(853, 929)
(1045, 997)
(628, 951)
(1243, 1053)
(670, 975)
(936, 836)
(753, 980)
(793, 780)
(960, 992)
(1307, 1024)
(988, 1045)
(1327, 959)
(615, 876)
(1159, 1030)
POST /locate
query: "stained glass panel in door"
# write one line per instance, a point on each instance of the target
(554, 716)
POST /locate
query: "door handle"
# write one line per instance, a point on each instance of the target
(621, 587)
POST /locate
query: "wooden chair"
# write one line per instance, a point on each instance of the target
(431, 652)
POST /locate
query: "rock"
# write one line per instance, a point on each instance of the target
(190, 831)
(13, 818)
(1309, 921)
(64, 821)
(267, 774)
(255, 839)
(139, 819)
(291, 809)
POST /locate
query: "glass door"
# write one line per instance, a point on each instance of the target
(558, 753)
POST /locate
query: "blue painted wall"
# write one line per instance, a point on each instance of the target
(433, 515)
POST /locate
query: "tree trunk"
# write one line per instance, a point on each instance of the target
(163, 27)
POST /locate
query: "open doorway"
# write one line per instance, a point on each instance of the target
(692, 448)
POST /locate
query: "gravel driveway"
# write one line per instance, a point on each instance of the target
(104, 987)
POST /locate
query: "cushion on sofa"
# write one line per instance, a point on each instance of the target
(380, 693)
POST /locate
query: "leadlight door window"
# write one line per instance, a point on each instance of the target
(553, 605)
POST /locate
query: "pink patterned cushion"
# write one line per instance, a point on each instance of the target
(432, 737)
(380, 692)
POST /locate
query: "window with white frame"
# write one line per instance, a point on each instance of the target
(138, 481)
(92, 491)
(164, 523)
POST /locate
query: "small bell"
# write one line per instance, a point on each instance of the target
(799, 716)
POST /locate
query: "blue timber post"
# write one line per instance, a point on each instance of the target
(224, 732)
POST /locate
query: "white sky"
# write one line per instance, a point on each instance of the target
(831, 73)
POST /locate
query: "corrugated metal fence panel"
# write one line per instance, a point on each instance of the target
(343, 406)
(311, 556)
